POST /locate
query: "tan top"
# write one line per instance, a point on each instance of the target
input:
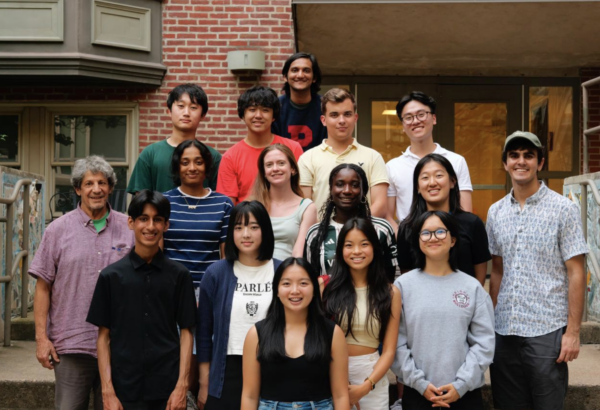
(361, 336)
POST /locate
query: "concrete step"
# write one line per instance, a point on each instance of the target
(24, 384)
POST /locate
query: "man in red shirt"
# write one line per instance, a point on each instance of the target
(258, 107)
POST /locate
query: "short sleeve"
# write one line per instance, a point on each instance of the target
(307, 177)
(99, 313)
(379, 173)
(405, 258)
(227, 206)
(227, 183)
(186, 308)
(141, 177)
(392, 187)
(45, 262)
(493, 245)
(479, 242)
(570, 234)
(464, 179)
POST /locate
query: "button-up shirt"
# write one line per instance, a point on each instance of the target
(534, 243)
(142, 304)
(70, 258)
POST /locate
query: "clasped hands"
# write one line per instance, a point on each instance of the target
(441, 396)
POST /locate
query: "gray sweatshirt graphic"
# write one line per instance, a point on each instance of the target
(446, 331)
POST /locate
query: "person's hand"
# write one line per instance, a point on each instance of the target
(357, 392)
(178, 398)
(569, 347)
(202, 396)
(431, 391)
(445, 399)
(44, 350)
(110, 401)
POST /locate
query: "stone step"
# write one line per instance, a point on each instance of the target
(24, 384)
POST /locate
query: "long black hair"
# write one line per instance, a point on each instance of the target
(451, 225)
(339, 295)
(419, 206)
(271, 345)
(363, 210)
(240, 214)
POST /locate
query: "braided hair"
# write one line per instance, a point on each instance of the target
(328, 210)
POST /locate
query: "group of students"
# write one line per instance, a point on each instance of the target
(285, 262)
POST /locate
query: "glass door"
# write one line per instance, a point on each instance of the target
(477, 120)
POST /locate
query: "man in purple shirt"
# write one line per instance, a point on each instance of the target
(73, 251)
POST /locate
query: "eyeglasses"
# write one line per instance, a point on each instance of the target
(421, 115)
(438, 233)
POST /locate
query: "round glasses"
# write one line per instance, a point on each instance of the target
(421, 115)
(440, 234)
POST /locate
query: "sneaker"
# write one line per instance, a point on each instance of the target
(397, 405)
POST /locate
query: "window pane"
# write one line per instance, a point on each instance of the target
(9, 138)
(387, 134)
(551, 119)
(79, 136)
(479, 134)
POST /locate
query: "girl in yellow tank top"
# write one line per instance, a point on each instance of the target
(367, 307)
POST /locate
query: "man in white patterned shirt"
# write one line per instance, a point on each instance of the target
(537, 283)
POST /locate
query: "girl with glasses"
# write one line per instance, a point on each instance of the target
(435, 188)
(367, 307)
(295, 358)
(446, 337)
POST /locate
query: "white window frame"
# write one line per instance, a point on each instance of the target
(44, 134)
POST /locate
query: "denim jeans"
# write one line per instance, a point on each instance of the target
(326, 404)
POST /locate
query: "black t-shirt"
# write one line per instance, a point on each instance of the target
(473, 247)
(142, 304)
(295, 379)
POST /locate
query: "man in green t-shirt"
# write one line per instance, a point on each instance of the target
(187, 105)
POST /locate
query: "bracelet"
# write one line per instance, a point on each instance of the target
(371, 381)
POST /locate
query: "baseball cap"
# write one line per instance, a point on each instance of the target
(523, 134)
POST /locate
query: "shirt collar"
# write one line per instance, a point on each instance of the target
(438, 150)
(533, 199)
(137, 262)
(85, 218)
(324, 146)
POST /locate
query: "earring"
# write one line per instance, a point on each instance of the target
(364, 200)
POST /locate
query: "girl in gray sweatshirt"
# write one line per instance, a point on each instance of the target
(446, 337)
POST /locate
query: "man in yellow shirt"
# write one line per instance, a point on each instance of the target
(339, 116)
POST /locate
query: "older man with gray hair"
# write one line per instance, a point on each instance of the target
(73, 251)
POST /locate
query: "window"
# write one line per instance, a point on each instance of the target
(9, 140)
(76, 137)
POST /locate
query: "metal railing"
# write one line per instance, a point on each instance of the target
(588, 182)
(13, 263)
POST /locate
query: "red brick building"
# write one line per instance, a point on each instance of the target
(96, 80)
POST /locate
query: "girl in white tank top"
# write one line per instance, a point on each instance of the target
(367, 307)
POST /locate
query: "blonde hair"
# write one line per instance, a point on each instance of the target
(260, 191)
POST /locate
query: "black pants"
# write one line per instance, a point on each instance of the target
(145, 405)
(231, 395)
(412, 400)
(525, 373)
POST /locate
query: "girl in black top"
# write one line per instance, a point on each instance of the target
(295, 358)
(435, 188)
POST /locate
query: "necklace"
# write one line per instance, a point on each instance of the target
(191, 206)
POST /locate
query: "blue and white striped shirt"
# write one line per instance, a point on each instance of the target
(197, 227)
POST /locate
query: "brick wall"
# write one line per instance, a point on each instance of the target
(197, 34)
(594, 118)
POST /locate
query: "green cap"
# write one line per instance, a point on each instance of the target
(523, 134)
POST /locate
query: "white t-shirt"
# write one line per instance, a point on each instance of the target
(251, 299)
(400, 173)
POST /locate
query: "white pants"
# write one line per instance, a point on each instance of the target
(360, 367)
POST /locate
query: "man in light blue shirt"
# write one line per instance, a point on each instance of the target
(537, 283)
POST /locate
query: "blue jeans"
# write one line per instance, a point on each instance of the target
(326, 404)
